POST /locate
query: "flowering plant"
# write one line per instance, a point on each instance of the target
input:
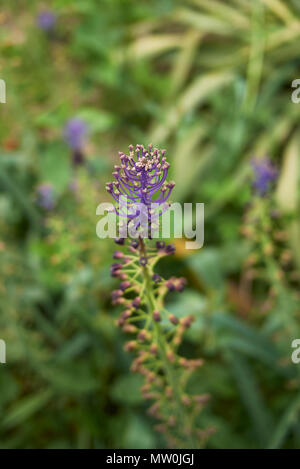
(142, 291)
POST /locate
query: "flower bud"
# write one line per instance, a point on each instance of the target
(143, 335)
(130, 346)
(130, 329)
(118, 255)
(124, 285)
(136, 302)
(156, 316)
(126, 314)
(187, 321)
(173, 319)
(153, 349)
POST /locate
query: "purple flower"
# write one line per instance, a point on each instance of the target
(143, 261)
(170, 249)
(160, 244)
(156, 278)
(46, 20)
(120, 241)
(134, 244)
(264, 174)
(142, 179)
(75, 132)
(45, 196)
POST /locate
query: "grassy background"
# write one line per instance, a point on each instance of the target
(210, 81)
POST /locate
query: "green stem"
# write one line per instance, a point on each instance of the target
(162, 346)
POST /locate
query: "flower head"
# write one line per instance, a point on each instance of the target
(264, 173)
(141, 178)
(75, 132)
(45, 196)
(46, 20)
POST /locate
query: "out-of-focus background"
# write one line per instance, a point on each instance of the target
(210, 81)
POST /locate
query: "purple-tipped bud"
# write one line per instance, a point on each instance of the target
(116, 294)
(125, 285)
(115, 270)
(118, 301)
(173, 319)
(120, 241)
(136, 302)
(143, 335)
(187, 321)
(176, 284)
(130, 346)
(118, 255)
(130, 328)
(156, 316)
(134, 244)
(126, 314)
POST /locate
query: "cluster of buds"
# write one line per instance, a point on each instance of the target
(156, 334)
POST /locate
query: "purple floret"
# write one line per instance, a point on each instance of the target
(264, 174)
(45, 196)
(75, 133)
(46, 20)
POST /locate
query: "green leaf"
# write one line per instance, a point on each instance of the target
(289, 418)
(251, 396)
(25, 408)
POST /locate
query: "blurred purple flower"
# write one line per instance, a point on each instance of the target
(75, 132)
(46, 20)
(264, 174)
(45, 196)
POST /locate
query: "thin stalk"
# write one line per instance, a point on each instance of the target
(162, 345)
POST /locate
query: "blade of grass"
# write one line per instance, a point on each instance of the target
(289, 418)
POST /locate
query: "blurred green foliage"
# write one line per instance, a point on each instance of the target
(210, 81)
